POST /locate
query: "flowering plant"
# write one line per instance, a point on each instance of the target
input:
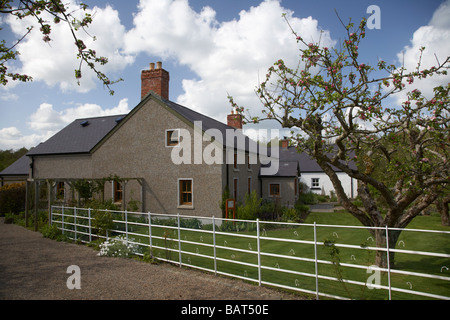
(118, 247)
(339, 114)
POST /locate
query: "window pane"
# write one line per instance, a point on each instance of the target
(274, 189)
(185, 192)
(172, 137)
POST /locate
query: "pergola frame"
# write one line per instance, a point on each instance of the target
(33, 188)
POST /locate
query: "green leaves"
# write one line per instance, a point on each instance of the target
(342, 117)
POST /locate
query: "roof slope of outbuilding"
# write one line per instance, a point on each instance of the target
(80, 136)
(20, 167)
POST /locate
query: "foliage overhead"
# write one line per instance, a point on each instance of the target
(60, 13)
(338, 111)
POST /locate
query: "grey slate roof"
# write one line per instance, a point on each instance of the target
(285, 169)
(76, 138)
(20, 167)
(291, 160)
(210, 123)
(306, 163)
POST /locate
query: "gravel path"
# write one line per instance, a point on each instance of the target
(34, 268)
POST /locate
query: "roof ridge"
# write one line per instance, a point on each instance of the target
(100, 117)
(201, 114)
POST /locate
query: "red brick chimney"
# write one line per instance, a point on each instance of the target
(155, 80)
(285, 143)
(234, 120)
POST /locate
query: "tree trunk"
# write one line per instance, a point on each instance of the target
(442, 206)
(381, 259)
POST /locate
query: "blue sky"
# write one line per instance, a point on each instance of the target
(210, 48)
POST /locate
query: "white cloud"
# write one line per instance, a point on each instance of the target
(7, 96)
(46, 121)
(435, 37)
(12, 138)
(228, 57)
(55, 62)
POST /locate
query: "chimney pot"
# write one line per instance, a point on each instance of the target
(152, 66)
(158, 65)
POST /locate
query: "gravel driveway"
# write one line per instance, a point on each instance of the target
(34, 268)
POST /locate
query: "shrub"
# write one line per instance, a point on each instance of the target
(191, 223)
(102, 221)
(9, 218)
(251, 207)
(290, 214)
(52, 232)
(12, 198)
(308, 198)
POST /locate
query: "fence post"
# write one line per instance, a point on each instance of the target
(388, 262)
(315, 261)
(90, 228)
(107, 233)
(126, 225)
(75, 221)
(51, 215)
(62, 220)
(150, 232)
(214, 244)
(259, 251)
(179, 239)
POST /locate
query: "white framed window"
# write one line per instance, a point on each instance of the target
(315, 182)
(117, 191)
(172, 137)
(185, 192)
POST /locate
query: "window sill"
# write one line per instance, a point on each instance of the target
(187, 207)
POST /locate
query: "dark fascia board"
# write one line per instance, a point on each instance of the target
(60, 154)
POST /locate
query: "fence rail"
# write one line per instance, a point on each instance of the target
(279, 254)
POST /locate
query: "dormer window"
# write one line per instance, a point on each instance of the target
(172, 137)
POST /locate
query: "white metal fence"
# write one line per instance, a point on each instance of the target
(333, 261)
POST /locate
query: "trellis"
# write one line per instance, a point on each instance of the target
(33, 187)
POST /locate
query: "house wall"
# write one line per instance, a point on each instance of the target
(241, 173)
(287, 190)
(137, 150)
(325, 185)
(62, 167)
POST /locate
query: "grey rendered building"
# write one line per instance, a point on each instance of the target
(142, 151)
(168, 158)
